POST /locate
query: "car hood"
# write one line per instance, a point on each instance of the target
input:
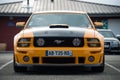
(57, 32)
(110, 39)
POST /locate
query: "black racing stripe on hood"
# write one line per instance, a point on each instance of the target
(70, 32)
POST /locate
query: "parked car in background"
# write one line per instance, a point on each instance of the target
(118, 36)
(111, 42)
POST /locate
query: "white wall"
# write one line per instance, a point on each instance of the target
(114, 25)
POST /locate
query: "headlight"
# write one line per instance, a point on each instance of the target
(115, 44)
(40, 42)
(24, 42)
(76, 42)
(93, 42)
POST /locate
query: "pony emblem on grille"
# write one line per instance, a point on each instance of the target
(58, 41)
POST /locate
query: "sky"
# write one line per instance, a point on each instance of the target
(110, 2)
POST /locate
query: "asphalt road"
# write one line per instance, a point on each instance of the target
(111, 72)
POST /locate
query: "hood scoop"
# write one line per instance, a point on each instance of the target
(58, 26)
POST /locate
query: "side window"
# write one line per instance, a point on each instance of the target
(105, 24)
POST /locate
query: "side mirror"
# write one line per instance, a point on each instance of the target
(20, 24)
(118, 36)
(98, 24)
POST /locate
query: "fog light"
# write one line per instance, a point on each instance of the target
(26, 58)
(91, 58)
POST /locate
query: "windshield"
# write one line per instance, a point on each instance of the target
(107, 34)
(77, 20)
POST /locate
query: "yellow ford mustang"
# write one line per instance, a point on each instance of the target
(58, 38)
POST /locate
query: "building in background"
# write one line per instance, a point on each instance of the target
(10, 13)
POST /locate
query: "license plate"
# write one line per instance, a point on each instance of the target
(58, 53)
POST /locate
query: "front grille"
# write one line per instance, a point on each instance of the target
(115, 48)
(81, 60)
(35, 59)
(107, 45)
(58, 42)
(54, 60)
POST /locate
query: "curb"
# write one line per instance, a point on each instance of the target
(6, 51)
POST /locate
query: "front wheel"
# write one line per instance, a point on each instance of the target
(99, 68)
(18, 68)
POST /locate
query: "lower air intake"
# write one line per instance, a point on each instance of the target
(53, 60)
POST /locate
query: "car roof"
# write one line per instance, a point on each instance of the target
(61, 11)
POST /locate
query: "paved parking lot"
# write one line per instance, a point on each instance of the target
(111, 72)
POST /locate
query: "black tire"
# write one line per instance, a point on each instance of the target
(99, 68)
(18, 68)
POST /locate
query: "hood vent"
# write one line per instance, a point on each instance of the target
(59, 26)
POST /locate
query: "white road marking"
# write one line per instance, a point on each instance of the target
(111, 66)
(1, 67)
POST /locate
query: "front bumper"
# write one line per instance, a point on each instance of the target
(59, 65)
(80, 57)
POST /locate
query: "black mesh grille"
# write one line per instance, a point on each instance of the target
(58, 42)
(54, 60)
(108, 44)
(81, 59)
(35, 59)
